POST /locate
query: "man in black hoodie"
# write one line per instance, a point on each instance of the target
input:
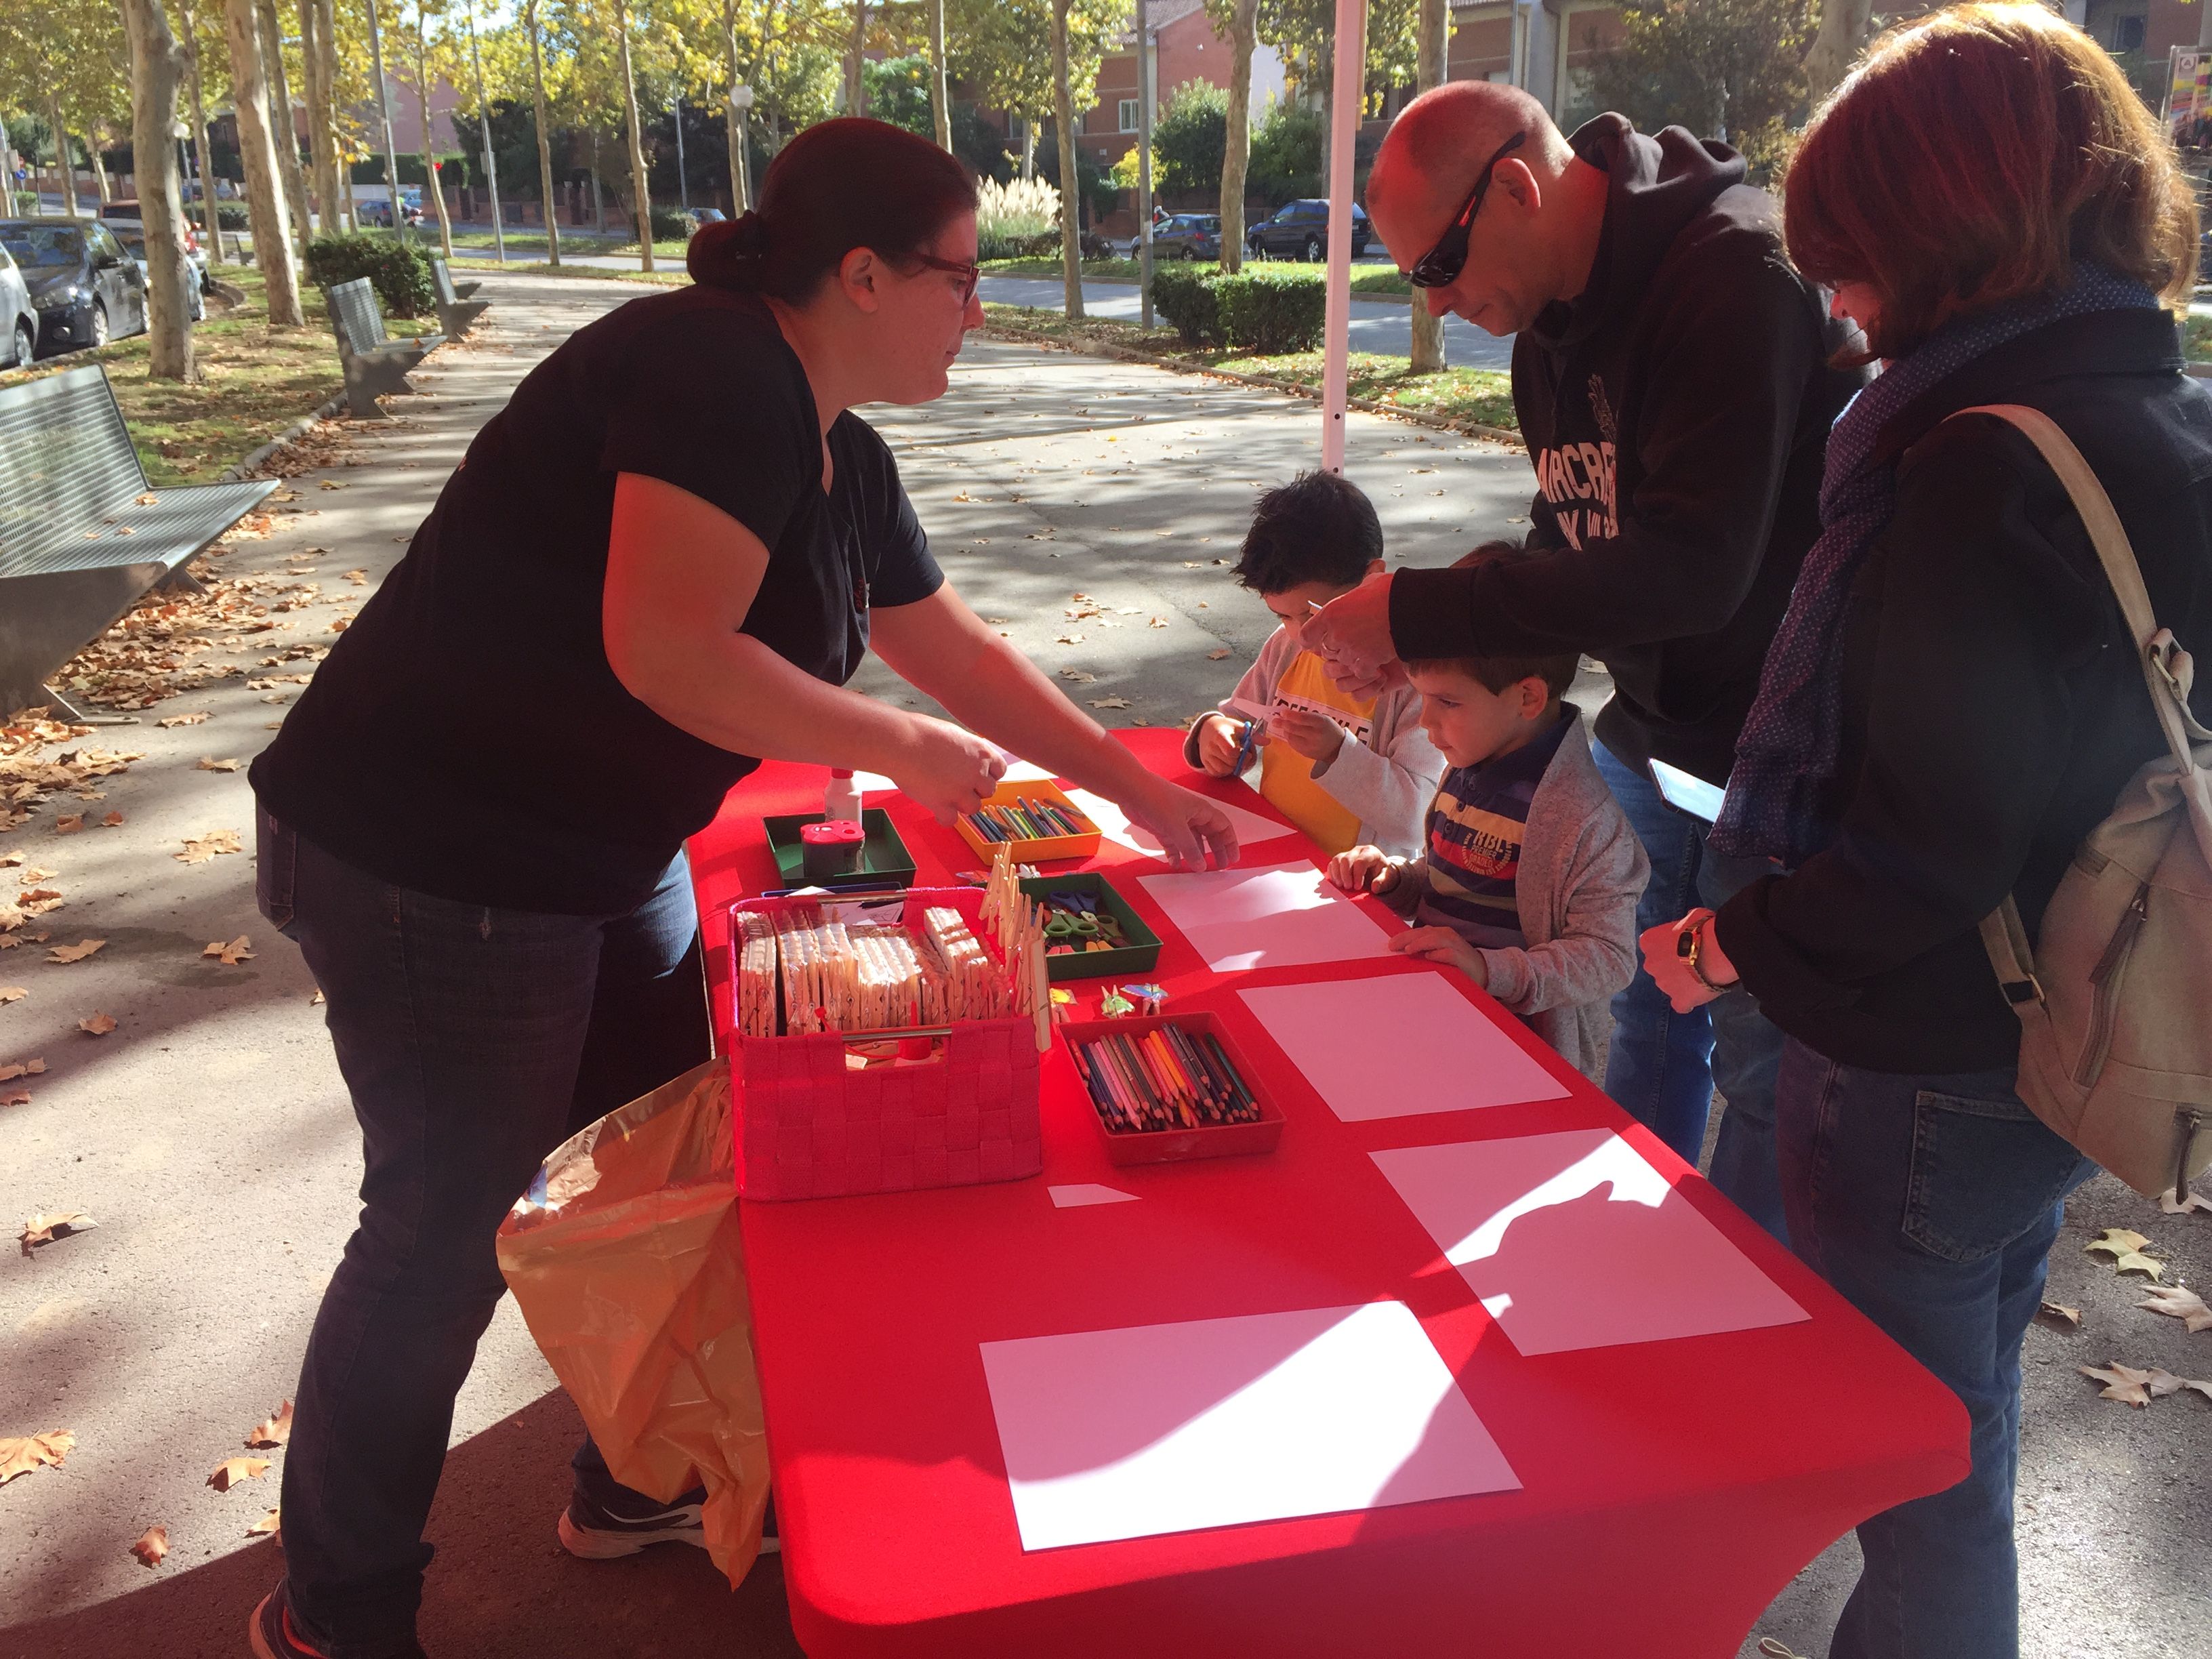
(1671, 378)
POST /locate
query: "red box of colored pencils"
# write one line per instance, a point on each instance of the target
(1170, 1087)
(1034, 820)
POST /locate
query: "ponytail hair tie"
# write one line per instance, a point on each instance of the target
(732, 254)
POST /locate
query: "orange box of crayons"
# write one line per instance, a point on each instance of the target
(1172, 1084)
(1011, 808)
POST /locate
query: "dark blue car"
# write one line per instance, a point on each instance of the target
(1299, 230)
(85, 288)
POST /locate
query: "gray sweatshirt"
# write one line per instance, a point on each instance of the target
(1385, 781)
(1581, 873)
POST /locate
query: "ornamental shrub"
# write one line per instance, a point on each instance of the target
(671, 225)
(400, 271)
(1272, 311)
(1185, 296)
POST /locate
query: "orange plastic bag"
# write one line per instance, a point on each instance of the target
(626, 1260)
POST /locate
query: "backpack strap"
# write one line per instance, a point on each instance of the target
(2168, 670)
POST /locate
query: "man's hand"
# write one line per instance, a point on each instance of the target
(1364, 870)
(1352, 633)
(1315, 736)
(1188, 826)
(1664, 960)
(1441, 945)
(1219, 738)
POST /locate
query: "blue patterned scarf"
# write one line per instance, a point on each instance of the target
(1788, 752)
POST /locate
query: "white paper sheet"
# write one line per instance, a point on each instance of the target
(1114, 823)
(1219, 1422)
(1076, 1195)
(1276, 916)
(1573, 1241)
(1017, 771)
(1397, 1046)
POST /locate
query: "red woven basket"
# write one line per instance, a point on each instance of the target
(808, 1125)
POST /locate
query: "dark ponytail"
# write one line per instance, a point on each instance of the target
(838, 185)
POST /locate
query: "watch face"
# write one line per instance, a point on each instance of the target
(1686, 943)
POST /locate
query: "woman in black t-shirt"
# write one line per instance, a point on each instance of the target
(657, 566)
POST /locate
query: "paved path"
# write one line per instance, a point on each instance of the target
(211, 1138)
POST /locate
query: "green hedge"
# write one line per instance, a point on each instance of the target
(399, 270)
(671, 225)
(1268, 311)
(994, 245)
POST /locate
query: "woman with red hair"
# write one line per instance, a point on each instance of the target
(1951, 702)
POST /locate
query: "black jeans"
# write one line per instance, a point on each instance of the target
(473, 1042)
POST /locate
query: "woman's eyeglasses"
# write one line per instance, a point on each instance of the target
(1440, 265)
(969, 275)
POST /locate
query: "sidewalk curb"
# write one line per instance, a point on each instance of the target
(298, 430)
(1183, 366)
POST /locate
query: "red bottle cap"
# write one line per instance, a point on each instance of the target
(836, 832)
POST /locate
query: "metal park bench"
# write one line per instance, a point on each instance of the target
(465, 290)
(82, 536)
(456, 313)
(374, 363)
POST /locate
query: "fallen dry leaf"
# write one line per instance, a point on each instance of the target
(1157, 622)
(113, 821)
(273, 1429)
(2126, 1249)
(153, 1544)
(356, 576)
(2059, 1314)
(19, 1455)
(1067, 639)
(1110, 702)
(45, 1229)
(69, 823)
(97, 1024)
(314, 999)
(198, 849)
(2122, 1382)
(77, 952)
(15, 1069)
(208, 763)
(14, 1096)
(268, 1524)
(12, 993)
(231, 1470)
(182, 720)
(239, 950)
(2194, 1201)
(2175, 1303)
(37, 901)
(1078, 675)
(1216, 656)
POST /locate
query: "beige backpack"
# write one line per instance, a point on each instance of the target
(2115, 1000)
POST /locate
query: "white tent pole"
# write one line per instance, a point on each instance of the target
(1344, 122)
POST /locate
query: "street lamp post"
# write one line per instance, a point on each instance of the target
(484, 125)
(383, 112)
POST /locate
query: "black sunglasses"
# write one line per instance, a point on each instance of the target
(969, 275)
(1440, 265)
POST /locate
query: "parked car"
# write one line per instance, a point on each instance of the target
(1300, 230)
(1186, 236)
(132, 236)
(19, 318)
(379, 213)
(85, 288)
(117, 215)
(707, 216)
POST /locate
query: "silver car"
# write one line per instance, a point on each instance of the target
(19, 319)
(133, 235)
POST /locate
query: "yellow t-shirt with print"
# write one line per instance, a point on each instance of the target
(1286, 776)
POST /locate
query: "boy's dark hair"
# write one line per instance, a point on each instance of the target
(1319, 527)
(1493, 674)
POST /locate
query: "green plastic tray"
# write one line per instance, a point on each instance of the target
(883, 858)
(1141, 955)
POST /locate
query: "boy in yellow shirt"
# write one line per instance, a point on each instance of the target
(1347, 771)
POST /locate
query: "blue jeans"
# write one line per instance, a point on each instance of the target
(1931, 1202)
(1663, 1067)
(473, 1042)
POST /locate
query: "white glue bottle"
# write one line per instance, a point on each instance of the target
(843, 799)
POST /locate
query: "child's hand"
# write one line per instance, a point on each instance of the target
(1441, 945)
(1364, 870)
(1315, 736)
(1219, 740)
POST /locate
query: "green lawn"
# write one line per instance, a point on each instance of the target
(533, 242)
(2197, 338)
(1477, 397)
(255, 380)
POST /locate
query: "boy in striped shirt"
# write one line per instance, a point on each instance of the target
(1529, 874)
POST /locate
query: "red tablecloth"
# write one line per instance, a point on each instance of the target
(1668, 1489)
